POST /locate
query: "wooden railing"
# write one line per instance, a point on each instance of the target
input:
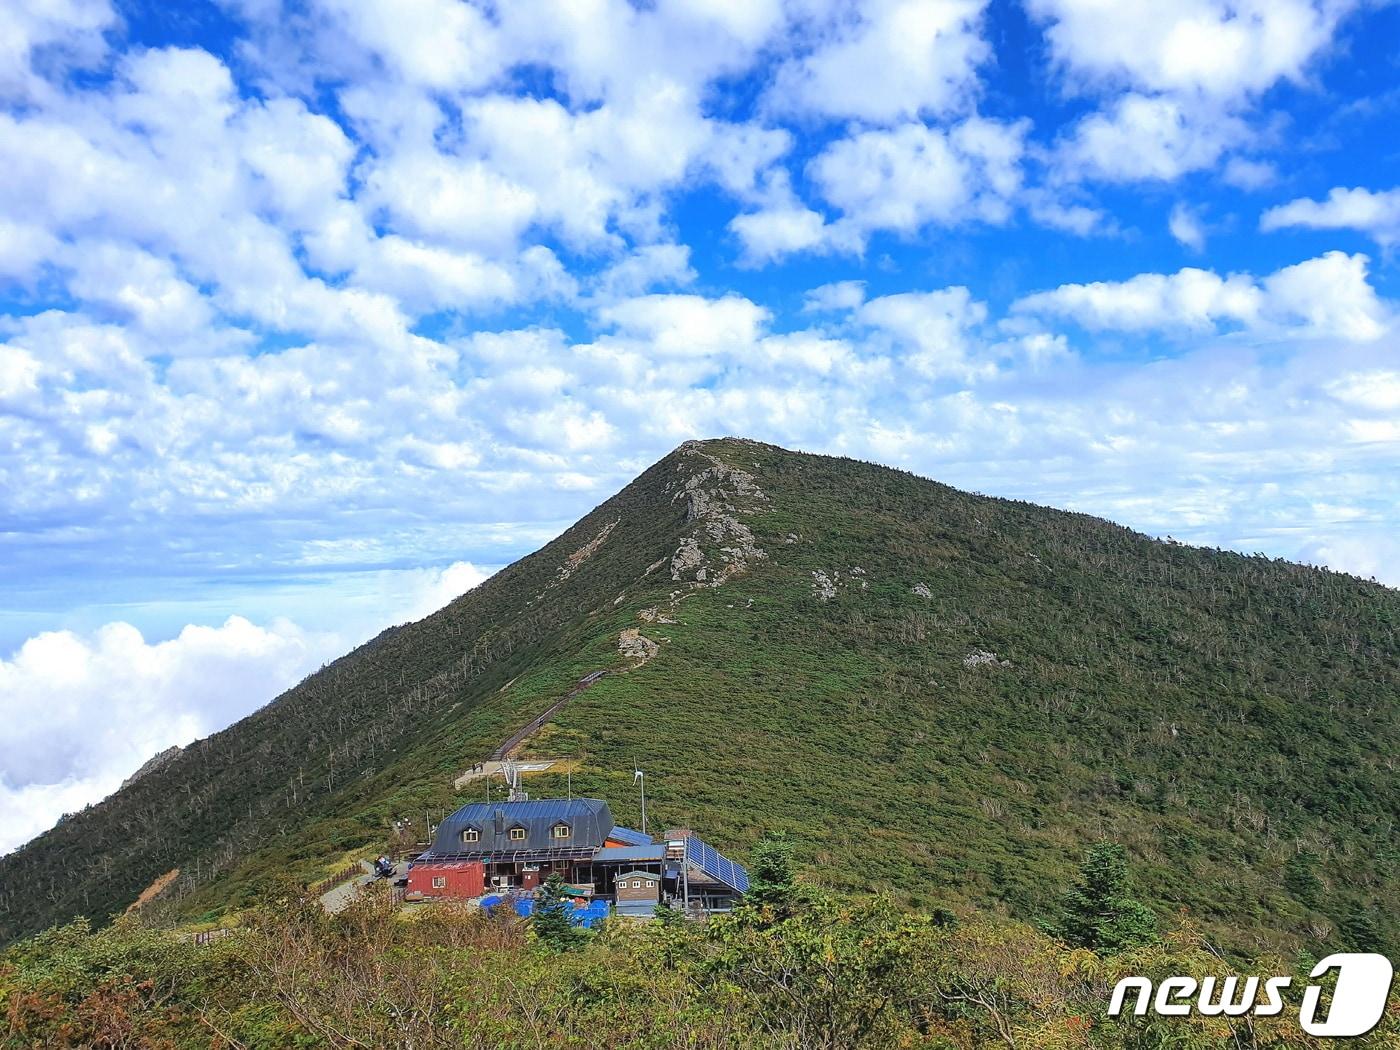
(344, 875)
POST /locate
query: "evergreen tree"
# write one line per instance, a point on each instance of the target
(1100, 911)
(551, 917)
(772, 879)
(1360, 932)
(1301, 880)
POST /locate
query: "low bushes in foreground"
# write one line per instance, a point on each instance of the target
(807, 970)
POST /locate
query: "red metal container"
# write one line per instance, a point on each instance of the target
(455, 879)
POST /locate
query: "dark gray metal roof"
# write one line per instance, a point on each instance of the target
(629, 854)
(589, 821)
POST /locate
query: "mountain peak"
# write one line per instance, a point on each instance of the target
(935, 693)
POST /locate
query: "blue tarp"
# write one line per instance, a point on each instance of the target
(525, 906)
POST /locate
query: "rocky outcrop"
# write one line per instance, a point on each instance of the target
(982, 658)
(634, 645)
(575, 560)
(716, 496)
(825, 585)
(920, 590)
(153, 763)
(689, 560)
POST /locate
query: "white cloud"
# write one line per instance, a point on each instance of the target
(60, 34)
(1186, 226)
(839, 296)
(1148, 138)
(1191, 298)
(418, 592)
(892, 60)
(1223, 49)
(645, 268)
(914, 175)
(1329, 296)
(439, 44)
(933, 331)
(1078, 219)
(84, 711)
(777, 231)
(1377, 390)
(1180, 80)
(1376, 214)
(1246, 174)
(686, 325)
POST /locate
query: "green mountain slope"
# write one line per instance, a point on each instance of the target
(942, 695)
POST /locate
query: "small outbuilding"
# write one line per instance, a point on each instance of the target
(637, 893)
(446, 880)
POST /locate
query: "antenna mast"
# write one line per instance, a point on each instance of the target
(511, 770)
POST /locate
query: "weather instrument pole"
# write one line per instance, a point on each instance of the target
(638, 777)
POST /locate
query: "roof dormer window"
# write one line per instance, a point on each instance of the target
(561, 831)
(517, 834)
(471, 835)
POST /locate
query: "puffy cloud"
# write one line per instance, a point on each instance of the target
(1144, 137)
(1376, 214)
(439, 44)
(84, 711)
(1186, 226)
(644, 268)
(687, 325)
(915, 175)
(838, 296)
(932, 330)
(52, 36)
(1192, 298)
(1223, 49)
(1246, 174)
(1180, 81)
(779, 230)
(1329, 296)
(892, 60)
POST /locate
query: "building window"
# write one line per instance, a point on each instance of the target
(439, 882)
(517, 834)
(470, 835)
(562, 831)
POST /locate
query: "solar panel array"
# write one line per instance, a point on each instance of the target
(716, 865)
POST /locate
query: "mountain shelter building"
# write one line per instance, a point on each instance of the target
(518, 844)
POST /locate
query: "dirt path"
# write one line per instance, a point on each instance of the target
(518, 738)
(338, 898)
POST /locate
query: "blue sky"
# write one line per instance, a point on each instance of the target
(311, 314)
